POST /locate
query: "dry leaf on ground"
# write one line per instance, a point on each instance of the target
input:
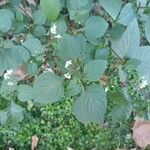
(34, 143)
(3, 2)
(141, 133)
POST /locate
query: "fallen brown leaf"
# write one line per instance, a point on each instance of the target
(3, 2)
(19, 72)
(35, 140)
(141, 133)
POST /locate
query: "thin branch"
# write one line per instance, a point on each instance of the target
(30, 18)
(117, 55)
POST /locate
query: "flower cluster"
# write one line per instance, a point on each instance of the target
(143, 84)
(8, 74)
(68, 75)
(53, 30)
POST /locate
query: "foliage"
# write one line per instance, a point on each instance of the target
(93, 51)
(57, 132)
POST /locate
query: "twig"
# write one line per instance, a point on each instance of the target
(30, 18)
(117, 55)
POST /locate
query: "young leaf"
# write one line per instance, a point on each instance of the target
(91, 105)
(95, 27)
(51, 8)
(129, 41)
(32, 68)
(93, 70)
(47, 88)
(112, 7)
(79, 10)
(73, 88)
(121, 112)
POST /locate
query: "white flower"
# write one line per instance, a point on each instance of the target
(143, 84)
(53, 29)
(68, 63)
(68, 148)
(10, 83)
(67, 75)
(128, 136)
(58, 36)
(8, 73)
(106, 89)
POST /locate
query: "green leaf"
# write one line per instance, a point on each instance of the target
(78, 4)
(39, 31)
(91, 105)
(95, 27)
(47, 88)
(71, 47)
(8, 86)
(6, 17)
(33, 45)
(25, 92)
(39, 17)
(20, 54)
(127, 15)
(15, 2)
(73, 88)
(32, 68)
(143, 54)
(121, 112)
(12, 114)
(15, 113)
(112, 7)
(11, 58)
(147, 29)
(117, 31)
(3, 116)
(51, 8)
(79, 10)
(102, 53)
(6, 60)
(128, 42)
(94, 70)
(61, 26)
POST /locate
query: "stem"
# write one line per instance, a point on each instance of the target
(30, 18)
(117, 55)
(148, 109)
(138, 7)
